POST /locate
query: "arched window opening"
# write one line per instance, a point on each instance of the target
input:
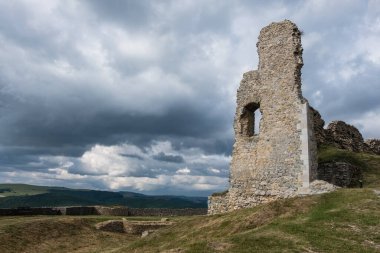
(258, 117)
(250, 120)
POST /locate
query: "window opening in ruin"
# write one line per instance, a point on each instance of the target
(258, 117)
(250, 120)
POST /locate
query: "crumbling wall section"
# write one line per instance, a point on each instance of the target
(279, 161)
(344, 136)
(373, 145)
(318, 124)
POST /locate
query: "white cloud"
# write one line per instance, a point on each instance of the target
(128, 167)
(183, 171)
(369, 123)
(107, 160)
(213, 170)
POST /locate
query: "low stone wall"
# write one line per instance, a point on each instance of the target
(112, 211)
(340, 173)
(29, 211)
(101, 210)
(79, 210)
(166, 211)
(111, 226)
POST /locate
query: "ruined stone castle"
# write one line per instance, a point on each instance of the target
(279, 160)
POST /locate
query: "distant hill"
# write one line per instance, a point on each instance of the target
(22, 195)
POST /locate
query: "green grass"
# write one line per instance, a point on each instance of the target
(24, 189)
(347, 220)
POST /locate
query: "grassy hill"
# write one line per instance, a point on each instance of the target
(347, 220)
(16, 195)
(7, 190)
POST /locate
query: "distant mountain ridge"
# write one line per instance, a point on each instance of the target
(23, 195)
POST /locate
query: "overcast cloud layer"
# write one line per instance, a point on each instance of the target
(140, 95)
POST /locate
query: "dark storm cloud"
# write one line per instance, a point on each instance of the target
(129, 13)
(43, 128)
(133, 156)
(71, 115)
(123, 94)
(169, 158)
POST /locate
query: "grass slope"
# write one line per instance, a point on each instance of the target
(8, 190)
(344, 221)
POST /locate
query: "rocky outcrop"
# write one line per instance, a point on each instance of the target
(342, 135)
(345, 136)
(340, 173)
(373, 145)
(338, 134)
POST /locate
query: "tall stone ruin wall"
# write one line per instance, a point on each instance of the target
(281, 160)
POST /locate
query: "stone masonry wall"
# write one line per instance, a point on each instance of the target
(340, 173)
(166, 211)
(29, 211)
(280, 161)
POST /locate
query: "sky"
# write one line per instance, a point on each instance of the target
(140, 95)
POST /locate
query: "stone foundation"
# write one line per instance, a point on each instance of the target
(131, 227)
(340, 173)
